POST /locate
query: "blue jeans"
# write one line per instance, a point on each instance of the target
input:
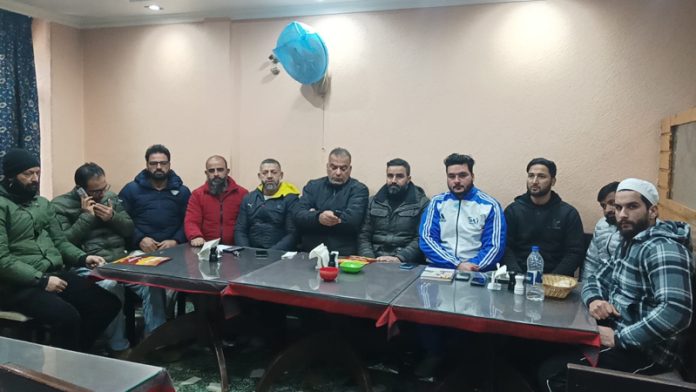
(154, 310)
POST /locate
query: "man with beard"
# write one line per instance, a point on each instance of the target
(332, 208)
(606, 234)
(463, 228)
(96, 222)
(539, 217)
(156, 201)
(214, 206)
(390, 231)
(33, 255)
(642, 299)
(265, 218)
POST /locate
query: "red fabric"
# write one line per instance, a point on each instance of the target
(484, 325)
(203, 213)
(326, 304)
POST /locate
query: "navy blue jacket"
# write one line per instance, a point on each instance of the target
(156, 214)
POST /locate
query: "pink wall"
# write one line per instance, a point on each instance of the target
(584, 83)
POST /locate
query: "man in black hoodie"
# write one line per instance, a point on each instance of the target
(540, 217)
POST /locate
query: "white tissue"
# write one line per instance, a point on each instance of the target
(321, 252)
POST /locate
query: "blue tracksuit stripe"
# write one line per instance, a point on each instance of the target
(497, 239)
(430, 235)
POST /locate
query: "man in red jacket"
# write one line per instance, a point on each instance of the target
(213, 207)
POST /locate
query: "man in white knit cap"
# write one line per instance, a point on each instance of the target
(642, 298)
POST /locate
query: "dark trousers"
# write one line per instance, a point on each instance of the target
(77, 316)
(552, 373)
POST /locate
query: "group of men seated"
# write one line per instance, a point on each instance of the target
(637, 271)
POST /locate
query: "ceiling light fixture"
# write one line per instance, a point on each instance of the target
(154, 7)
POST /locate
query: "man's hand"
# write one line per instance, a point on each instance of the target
(388, 259)
(87, 204)
(327, 218)
(56, 284)
(606, 336)
(467, 266)
(105, 213)
(148, 245)
(198, 241)
(93, 261)
(166, 244)
(600, 309)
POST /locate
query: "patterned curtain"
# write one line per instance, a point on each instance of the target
(19, 105)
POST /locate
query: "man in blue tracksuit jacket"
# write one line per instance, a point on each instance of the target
(465, 227)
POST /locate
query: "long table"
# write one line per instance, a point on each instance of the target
(204, 281)
(460, 305)
(91, 372)
(296, 282)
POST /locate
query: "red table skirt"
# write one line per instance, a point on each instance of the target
(331, 305)
(484, 325)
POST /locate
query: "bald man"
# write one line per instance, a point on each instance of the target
(213, 207)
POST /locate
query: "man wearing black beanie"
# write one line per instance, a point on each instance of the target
(33, 256)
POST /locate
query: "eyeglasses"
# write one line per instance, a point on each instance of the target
(158, 163)
(98, 191)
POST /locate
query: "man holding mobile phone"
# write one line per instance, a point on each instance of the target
(93, 219)
(315, 215)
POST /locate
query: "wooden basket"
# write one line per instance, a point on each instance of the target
(558, 286)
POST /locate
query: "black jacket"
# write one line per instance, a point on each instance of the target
(266, 223)
(388, 232)
(555, 227)
(349, 199)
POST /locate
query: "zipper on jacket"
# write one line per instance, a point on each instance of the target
(221, 209)
(456, 231)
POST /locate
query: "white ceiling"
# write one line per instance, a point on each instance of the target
(103, 13)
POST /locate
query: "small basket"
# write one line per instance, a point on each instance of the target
(558, 286)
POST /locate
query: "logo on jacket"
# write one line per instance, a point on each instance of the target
(473, 220)
(175, 192)
(556, 224)
(442, 217)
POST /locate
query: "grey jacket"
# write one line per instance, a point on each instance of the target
(388, 232)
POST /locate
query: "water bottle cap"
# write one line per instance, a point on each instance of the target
(535, 248)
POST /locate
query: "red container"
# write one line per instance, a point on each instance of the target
(329, 274)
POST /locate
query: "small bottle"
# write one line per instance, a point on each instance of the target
(519, 284)
(535, 270)
(511, 280)
(213, 258)
(332, 259)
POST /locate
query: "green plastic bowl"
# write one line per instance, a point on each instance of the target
(351, 267)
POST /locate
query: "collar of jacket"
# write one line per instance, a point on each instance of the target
(173, 180)
(383, 194)
(526, 199)
(6, 194)
(232, 187)
(469, 195)
(284, 189)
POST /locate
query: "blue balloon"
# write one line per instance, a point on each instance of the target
(302, 53)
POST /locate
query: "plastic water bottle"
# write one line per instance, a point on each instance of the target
(535, 270)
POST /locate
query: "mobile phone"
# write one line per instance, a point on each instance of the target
(407, 266)
(337, 213)
(260, 253)
(81, 192)
(463, 276)
(478, 279)
(232, 249)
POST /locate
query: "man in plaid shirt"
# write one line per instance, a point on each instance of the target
(641, 298)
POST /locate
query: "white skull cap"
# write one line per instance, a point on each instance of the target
(643, 187)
